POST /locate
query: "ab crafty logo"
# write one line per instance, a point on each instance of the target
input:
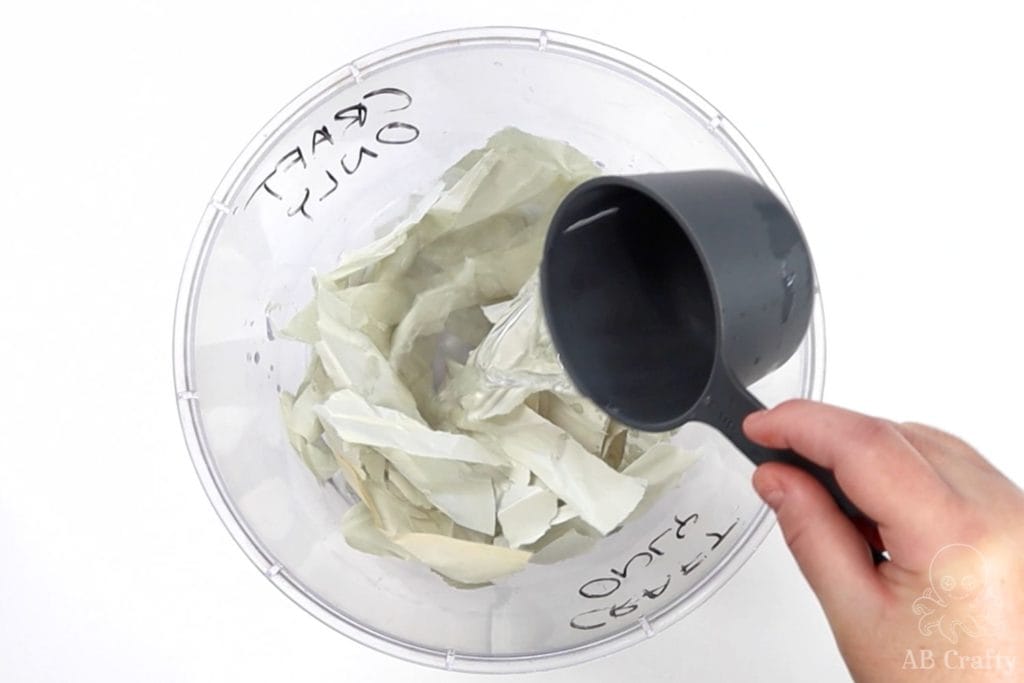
(954, 609)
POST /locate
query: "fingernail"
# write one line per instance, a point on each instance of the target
(773, 497)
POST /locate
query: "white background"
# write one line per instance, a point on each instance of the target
(895, 130)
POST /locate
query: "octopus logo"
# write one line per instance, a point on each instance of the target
(953, 605)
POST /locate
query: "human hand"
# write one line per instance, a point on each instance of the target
(949, 606)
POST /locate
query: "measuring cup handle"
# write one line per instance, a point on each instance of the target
(724, 406)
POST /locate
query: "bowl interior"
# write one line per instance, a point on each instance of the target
(347, 156)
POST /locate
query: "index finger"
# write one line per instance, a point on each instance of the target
(880, 471)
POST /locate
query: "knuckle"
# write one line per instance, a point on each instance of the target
(876, 442)
(875, 430)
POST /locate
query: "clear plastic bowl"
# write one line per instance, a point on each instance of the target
(281, 213)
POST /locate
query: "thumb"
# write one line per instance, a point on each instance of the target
(833, 556)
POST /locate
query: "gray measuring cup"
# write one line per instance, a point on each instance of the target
(668, 294)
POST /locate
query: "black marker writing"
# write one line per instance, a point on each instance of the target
(608, 586)
(313, 170)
